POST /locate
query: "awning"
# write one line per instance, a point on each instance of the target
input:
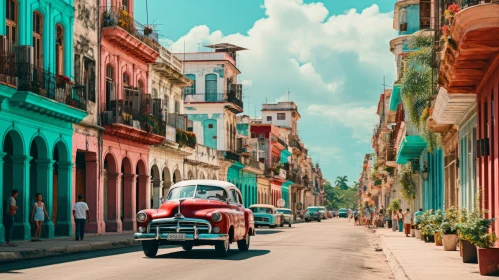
(410, 147)
(395, 98)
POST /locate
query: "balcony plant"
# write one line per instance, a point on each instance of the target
(448, 229)
(186, 138)
(147, 30)
(407, 183)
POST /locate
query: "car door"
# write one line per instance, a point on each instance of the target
(240, 224)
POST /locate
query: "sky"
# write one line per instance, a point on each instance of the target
(330, 55)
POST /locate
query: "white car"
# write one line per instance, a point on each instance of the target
(288, 215)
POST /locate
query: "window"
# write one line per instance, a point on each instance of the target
(191, 89)
(211, 87)
(11, 23)
(59, 49)
(403, 20)
(89, 78)
(210, 126)
(110, 96)
(126, 80)
(37, 39)
(424, 14)
(141, 87)
(269, 118)
(281, 116)
(177, 107)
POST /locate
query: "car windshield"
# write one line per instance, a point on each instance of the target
(343, 210)
(198, 191)
(261, 210)
(312, 209)
(281, 211)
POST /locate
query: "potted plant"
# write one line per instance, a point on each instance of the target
(417, 229)
(427, 231)
(436, 221)
(448, 229)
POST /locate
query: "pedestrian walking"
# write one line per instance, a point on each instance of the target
(407, 222)
(400, 219)
(395, 222)
(38, 216)
(80, 214)
(9, 214)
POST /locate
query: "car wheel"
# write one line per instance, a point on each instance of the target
(222, 248)
(187, 247)
(319, 220)
(243, 245)
(272, 226)
(307, 220)
(289, 224)
(150, 248)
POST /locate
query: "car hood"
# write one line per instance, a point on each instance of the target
(190, 208)
(263, 215)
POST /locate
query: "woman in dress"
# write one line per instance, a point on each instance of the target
(38, 215)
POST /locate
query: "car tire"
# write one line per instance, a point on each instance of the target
(289, 224)
(307, 220)
(243, 245)
(187, 247)
(272, 226)
(222, 248)
(319, 220)
(150, 248)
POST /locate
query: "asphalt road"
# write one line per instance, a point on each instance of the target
(332, 249)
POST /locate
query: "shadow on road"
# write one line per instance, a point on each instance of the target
(11, 267)
(205, 254)
(264, 232)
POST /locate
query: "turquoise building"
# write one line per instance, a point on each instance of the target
(39, 104)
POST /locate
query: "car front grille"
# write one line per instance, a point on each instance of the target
(261, 219)
(179, 226)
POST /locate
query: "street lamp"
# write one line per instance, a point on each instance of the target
(424, 172)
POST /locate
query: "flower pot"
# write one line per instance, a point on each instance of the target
(428, 238)
(422, 236)
(417, 232)
(469, 252)
(437, 239)
(413, 232)
(460, 248)
(488, 261)
(450, 242)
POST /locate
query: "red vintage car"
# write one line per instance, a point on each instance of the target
(197, 212)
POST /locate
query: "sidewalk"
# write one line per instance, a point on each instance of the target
(57, 246)
(414, 259)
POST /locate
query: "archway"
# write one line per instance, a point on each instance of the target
(190, 176)
(14, 178)
(156, 182)
(127, 215)
(201, 176)
(62, 188)
(176, 176)
(167, 181)
(112, 199)
(40, 167)
(142, 191)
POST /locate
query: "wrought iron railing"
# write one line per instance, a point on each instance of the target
(232, 156)
(7, 68)
(116, 16)
(235, 97)
(41, 82)
(231, 97)
(139, 119)
(282, 142)
(296, 144)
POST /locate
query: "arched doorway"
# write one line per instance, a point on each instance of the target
(14, 178)
(156, 182)
(190, 176)
(62, 188)
(111, 194)
(176, 176)
(127, 182)
(167, 181)
(142, 191)
(39, 182)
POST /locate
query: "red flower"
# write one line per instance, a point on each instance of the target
(454, 8)
(446, 30)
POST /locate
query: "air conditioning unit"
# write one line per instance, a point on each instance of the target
(136, 124)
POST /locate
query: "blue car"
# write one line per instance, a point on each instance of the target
(265, 215)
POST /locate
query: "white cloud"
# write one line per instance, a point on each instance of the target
(360, 119)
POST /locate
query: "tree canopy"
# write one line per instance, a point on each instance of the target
(341, 182)
(337, 197)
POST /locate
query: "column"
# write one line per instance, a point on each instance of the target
(64, 224)
(113, 222)
(22, 227)
(144, 192)
(2, 199)
(45, 175)
(156, 193)
(95, 224)
(129, 221)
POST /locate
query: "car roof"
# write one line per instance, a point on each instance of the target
(283, 209)
(226, 185)
(263, 206)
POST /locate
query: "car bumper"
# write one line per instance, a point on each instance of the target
(262, 223)
(188, 237)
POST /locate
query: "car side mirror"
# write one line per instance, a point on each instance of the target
(228, 200)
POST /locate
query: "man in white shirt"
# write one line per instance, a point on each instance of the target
(80, 213)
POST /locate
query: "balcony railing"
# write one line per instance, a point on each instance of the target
(254, 163)
(282, 142)
(116, 16)
(231, 97)
(231, 156)
(296, 144)
(27, 77)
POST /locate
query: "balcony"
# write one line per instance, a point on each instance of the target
(233, 99)
(295, 144)
(171, 68)
(62, 99)
(253, 165)
(125, 32)
(231, 156)
(133, 122)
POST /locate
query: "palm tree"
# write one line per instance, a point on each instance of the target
(341, 182)
(418, 87)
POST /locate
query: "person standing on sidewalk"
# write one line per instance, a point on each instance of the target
(10, 212)
(395, 222)
(38, 216)
(400, 218)
(80, 213)
(417, 214)
(407, 222)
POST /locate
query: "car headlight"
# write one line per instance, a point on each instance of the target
(142, 229)
(141, 217)
(216, 229)
(216, 217)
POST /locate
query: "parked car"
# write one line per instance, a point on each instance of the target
(312, 214)
(266, 216)
(323, 211)
(197, 212)
(287, 214)
(343, 213)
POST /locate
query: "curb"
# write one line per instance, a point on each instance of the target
(397, 269)
(35, 254)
